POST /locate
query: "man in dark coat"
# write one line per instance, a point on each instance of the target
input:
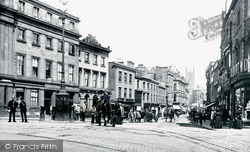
(106, 96)
(12, 108)
(23, 110)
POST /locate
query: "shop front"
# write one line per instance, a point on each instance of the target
(241, 98)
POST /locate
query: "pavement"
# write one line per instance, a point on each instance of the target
(206, 125)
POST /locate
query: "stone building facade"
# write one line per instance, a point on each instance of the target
(31, 44)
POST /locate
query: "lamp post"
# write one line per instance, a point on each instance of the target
(62, 101)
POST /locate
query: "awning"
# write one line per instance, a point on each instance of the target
(176, 107)
(211, 104)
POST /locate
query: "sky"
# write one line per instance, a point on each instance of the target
(150, 32)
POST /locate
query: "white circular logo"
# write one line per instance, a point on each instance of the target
(8, 146)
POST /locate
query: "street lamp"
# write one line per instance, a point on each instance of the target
(62, 101)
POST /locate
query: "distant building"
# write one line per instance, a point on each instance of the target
(180, 90)
(93, 70)
(121, 83)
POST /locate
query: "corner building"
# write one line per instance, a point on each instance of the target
(235, 52)
(31, 54)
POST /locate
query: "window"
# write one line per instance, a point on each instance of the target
(59, 70)
(102, 80)
(95, 59)
(49, 17)
(35, 67)
(119, 92)
(49, 42)
(94, 80)
(71, 71)
(71, 49)
(125, 77)
(130, 93)
(138, 84)
(34, 98)
(48, 69)
(86, 76)
(120, 76)
(36, 12)
(72, 26)
(86, 57)
(125, 92)
(35, 38)
(21, 6)
(148, 87)
(60, 46)
(7, 2)
(144, 86)
(103, 61)
(238, 18)
(130, 78)
(60, 21)
(20, 65)
(21, 34)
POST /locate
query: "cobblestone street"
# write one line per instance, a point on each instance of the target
(157, 136)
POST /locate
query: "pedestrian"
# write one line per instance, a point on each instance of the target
(23, 110)
(83, 110)
(12, 105)
(92, 114)
(131, 116)
(212, 118)
(200, 117)
(230, 119)
(122, 111)
(239, 118)
(217, 123)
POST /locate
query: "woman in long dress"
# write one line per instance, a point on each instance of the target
(218, 123)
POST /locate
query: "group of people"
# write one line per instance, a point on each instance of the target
(12, 105)
(134, 116)
(216, 122)
(93, 110)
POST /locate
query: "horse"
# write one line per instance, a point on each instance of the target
(109, 109)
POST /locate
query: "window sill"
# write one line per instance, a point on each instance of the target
(103, 66)
(38, 45)
(71, 54)
(86, 62)
(95, 64)
(22, 41)
(60, 51)
(49, 48)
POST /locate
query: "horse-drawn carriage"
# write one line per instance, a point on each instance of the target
(149, 116)
(169, 114)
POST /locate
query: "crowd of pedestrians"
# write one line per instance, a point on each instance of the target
(217, 118)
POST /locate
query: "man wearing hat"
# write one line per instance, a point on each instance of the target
(12, 108)
(106, 96)
(23, 110)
